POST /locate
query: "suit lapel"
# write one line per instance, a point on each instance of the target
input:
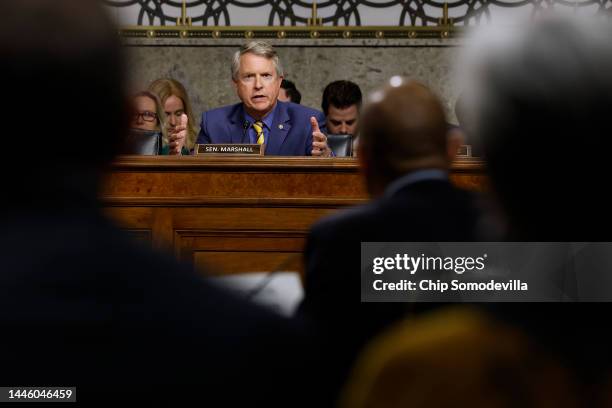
(235, 126)
(280, 129)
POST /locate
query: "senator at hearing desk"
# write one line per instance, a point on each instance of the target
(286, 129)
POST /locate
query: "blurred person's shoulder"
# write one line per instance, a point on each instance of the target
(346, 221)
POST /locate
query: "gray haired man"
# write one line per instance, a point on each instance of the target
(260, 118)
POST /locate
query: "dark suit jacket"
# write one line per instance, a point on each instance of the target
(290, 135)
(81, 305)
(426, 211)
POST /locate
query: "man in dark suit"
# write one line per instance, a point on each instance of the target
(547, 144)
(80, 304)
(405, 156)
(286, 129)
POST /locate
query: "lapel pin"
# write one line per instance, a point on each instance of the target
(280, 126)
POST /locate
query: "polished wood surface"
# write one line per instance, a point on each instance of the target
(237, 214)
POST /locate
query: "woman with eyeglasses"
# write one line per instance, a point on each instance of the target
(149, 115)
(176, 103)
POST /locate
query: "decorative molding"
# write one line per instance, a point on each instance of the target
(260, 164)
(291, 32)
(338, 13)
(244, 163)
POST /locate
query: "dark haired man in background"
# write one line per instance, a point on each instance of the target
(341, 105)
(289, 92)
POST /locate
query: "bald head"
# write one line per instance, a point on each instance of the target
(403, 129)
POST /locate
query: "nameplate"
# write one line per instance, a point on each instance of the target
(464, 152)
(235, 149)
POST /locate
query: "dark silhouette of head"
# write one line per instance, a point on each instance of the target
(64, 74)
(403, 129)
(541, 109)
(291, 91)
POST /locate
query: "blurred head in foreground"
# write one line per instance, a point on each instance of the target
(540, 104)
(403, 129)
(457, 357)
(66, 53)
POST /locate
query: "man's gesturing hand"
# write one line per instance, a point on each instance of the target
(319, 140)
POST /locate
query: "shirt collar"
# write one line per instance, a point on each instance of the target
(267, 120)
(414, 177)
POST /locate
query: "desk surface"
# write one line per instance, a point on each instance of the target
(251, 162)
(240, 213)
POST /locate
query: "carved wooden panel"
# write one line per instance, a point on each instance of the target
(222, 252)
(141, 237)
(237, 214)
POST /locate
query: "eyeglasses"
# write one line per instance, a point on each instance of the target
(146, 116)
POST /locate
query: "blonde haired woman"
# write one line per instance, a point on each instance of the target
(175, 103)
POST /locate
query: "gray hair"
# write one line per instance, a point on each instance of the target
(540, 101)
(259, 48)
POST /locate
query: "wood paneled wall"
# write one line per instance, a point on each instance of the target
(237, 214)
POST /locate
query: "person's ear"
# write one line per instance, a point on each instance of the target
(454, 140)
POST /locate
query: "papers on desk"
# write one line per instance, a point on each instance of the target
(280, 291)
